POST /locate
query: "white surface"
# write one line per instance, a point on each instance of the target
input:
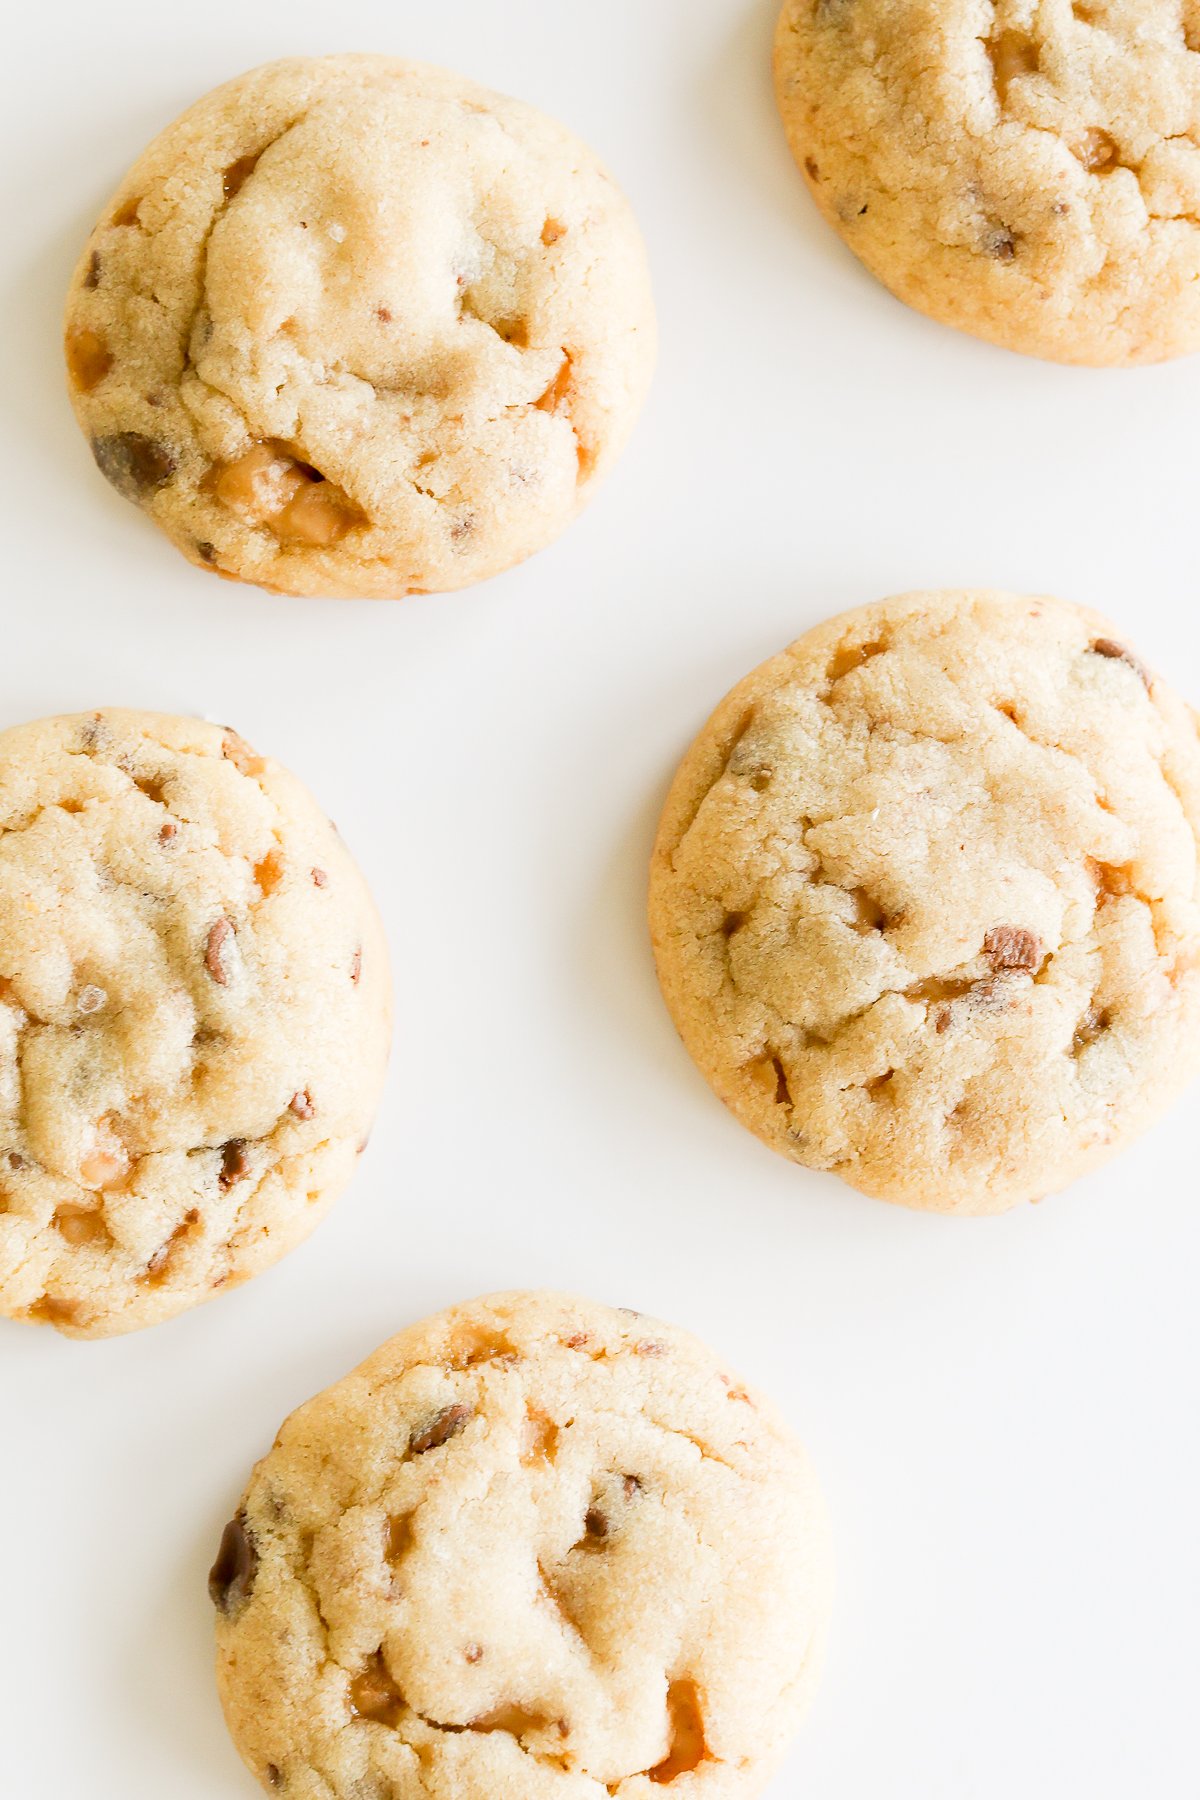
(1003, 1413)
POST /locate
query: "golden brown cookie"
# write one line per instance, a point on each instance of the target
(356, 326)
(925, 902)
(533, 1549)
(1027, 172)
(194, 1017)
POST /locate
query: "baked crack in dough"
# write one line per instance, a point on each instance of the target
(532, 1549)
(924, 898)
(194, 1017)
(1028, 170)
(356, 326)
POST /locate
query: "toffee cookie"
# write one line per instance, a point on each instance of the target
(194, 1017)
(355, 326)
(924, 898)
(1027, 172)
(533, 1547)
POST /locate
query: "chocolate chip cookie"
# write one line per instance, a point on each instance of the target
(355, 326)
(924, 898)
(194, 1017)
(1028, 173)
(532, 1548)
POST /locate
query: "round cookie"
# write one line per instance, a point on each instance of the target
(194, 1017)
(356, 326)
(924, 898)
(1029, 173)
(532, 1549)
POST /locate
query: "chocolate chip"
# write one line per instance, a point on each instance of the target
(237, 174)
(594, 1523)
(301, 1104)
(1001, 244)
(447, 1424)
(231, 1578)
(1109, 647)
(234, 1163)
(92, 278)
(398, 1537)
(137, 466)
(159, 1266)
(273, 1777)
(1012, 947)
(631, 1485)
(214, 951)
(1094, 1022)
(205, 551)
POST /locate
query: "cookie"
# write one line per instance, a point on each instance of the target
(1029, 173)
(194, 1017)
(532, 1548)
(924, 898)
(355, 326)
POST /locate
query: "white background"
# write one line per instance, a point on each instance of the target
(1003, 1412)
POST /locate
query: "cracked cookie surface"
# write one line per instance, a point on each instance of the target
(194, 1017)
(356, 326)
(924, 898)
(1026, 170)
(532, 1549)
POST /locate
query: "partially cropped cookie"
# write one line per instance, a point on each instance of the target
(356, 326)
(1029, 173)
(194, 1017)
(924, 898)
(532, 1549)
